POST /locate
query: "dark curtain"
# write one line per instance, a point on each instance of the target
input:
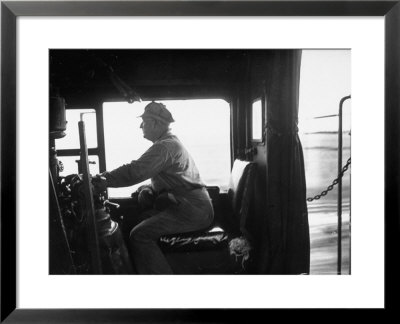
(286, 246)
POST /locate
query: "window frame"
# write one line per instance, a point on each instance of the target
(101, 136)
(93, 151)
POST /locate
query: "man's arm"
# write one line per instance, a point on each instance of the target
(152, 162)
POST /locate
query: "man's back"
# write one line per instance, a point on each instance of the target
(180, 169)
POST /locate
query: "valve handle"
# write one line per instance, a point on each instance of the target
(107, 203)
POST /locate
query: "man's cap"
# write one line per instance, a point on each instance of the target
(157, 111)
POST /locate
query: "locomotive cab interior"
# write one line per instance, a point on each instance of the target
(261, 218)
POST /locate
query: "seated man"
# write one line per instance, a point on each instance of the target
(172, 171)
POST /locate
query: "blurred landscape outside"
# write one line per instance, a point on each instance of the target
(204, 128)
(325, 80)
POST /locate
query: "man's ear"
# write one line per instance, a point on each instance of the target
(155, 123)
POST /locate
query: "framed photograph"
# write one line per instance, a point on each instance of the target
(244, 84)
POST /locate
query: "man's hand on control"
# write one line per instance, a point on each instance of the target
(99, 183)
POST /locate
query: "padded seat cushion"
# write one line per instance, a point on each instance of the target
(211, 253)
(213, 239)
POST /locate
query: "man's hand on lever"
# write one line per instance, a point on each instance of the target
(99, 184)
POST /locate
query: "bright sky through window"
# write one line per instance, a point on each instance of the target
(71, 140)
(257, 120)
(203, 126)
(325, 79)
(70, 166)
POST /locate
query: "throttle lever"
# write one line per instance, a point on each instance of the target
(107, 203)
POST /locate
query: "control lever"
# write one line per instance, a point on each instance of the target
(108, 203)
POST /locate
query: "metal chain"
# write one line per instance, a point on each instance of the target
(334, 183)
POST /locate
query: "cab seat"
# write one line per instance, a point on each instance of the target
(225, 247)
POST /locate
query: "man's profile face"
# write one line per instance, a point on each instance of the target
(148, 128)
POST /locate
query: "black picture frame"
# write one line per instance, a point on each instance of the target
(10, 10)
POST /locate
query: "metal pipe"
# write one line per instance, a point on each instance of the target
(91, 217)
(339, 200)
(326, 116)
(350, 231)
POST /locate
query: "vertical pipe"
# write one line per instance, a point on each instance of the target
(339, 200)
(100, 137)
(350, 231)
(91, 219)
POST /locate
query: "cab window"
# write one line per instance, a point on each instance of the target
(257, 121)
(203, 126)
(68, 147)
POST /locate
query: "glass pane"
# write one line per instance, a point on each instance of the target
(71, 166)
(71, 140)
(257, 121)
(203, 126)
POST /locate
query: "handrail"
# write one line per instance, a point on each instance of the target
(339, 202)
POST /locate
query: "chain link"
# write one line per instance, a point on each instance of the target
(334, 183)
